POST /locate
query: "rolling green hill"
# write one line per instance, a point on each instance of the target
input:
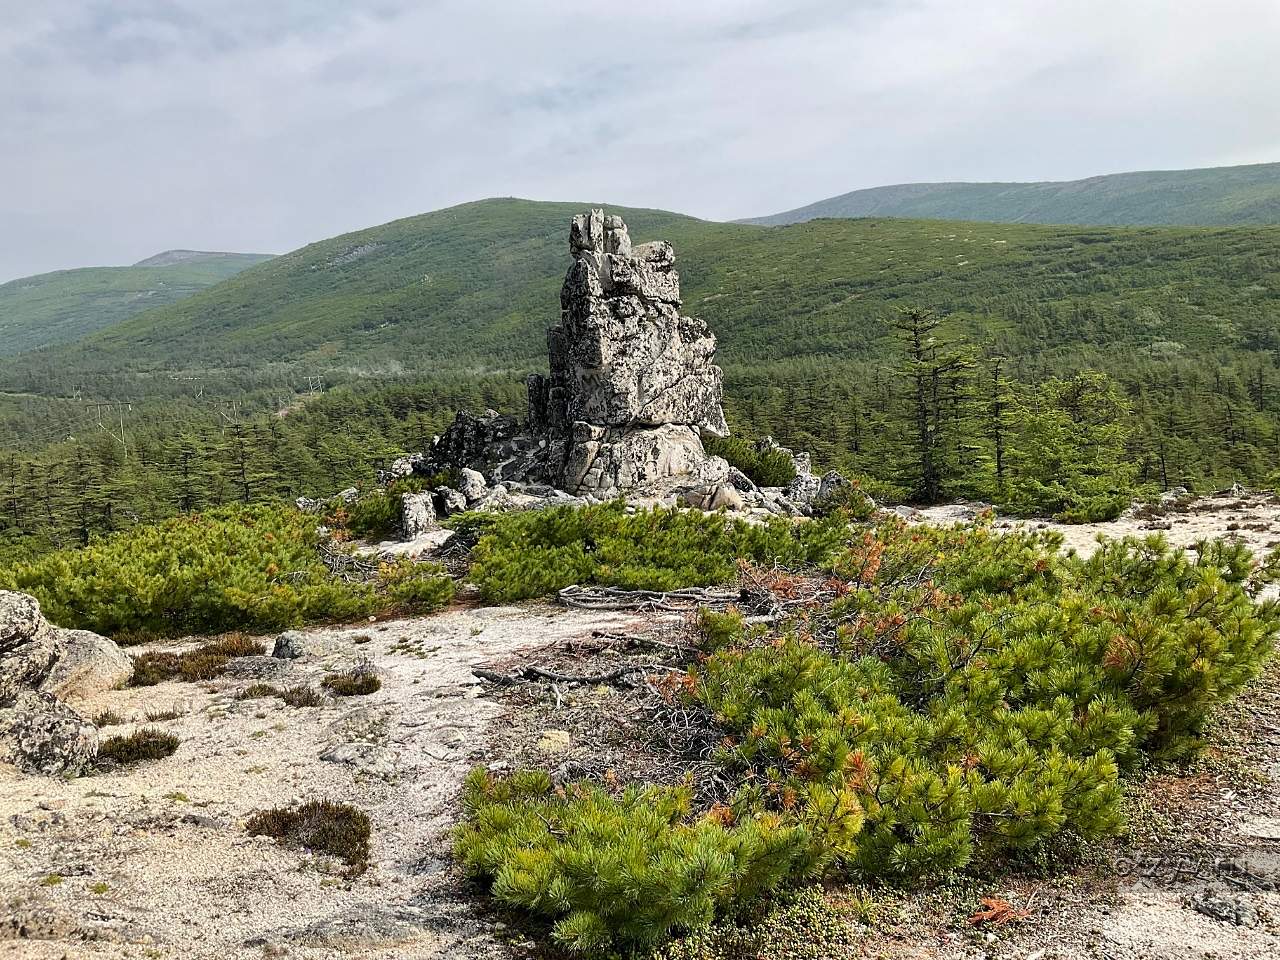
(471, 290)
(1213, 196)
(302, 373)
(68, 304)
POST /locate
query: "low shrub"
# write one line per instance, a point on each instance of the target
(765, 468)
(354, 683)
(145, 744)
(257, 691)
(251, 568)
(205, 662)
(323, 826)
(628, 870)
(802, 925)
(534, 553)
(302, 696)
(955, 696)
(299, 696)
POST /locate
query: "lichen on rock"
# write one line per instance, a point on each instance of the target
(40, 667)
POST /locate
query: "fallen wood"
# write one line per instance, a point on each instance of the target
(538, 673)
(675, 601)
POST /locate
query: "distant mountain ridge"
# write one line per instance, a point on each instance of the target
(469, 292)
(58, 307)
(168, 258)
(1210, 196)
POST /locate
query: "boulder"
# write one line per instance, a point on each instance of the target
(41, 734)
(417, 515)
(87, 665)
(290, 645)
(716, 496)
(804, 489)
(472, 485)
(403, 467)
(604, 461)
(450, 501)
(473, 441)
(39, 664)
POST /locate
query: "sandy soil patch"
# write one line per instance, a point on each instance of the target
(154, 861)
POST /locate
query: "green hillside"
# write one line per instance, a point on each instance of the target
(303, 373)
(68, 304)
(472, 289)
(1214, 196)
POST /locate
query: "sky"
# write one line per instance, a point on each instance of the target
(133, 126)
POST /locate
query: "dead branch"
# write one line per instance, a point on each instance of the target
(620, 675)
(648, 601)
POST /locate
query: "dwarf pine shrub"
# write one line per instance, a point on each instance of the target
(960, 696)
(253, 568)
(765, 468)
(375, 515)
(532, 554)
(989, 719)
(623, 870)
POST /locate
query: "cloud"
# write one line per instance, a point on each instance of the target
(133, 125)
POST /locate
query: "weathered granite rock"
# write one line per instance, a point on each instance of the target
(632, 387)
(87, 664)
(290, 645)
(450, 501)
(479, 442)
(605, 461)
(471, 484)
(804, 489)
(622, 355)
(715, 496)
(41, 734)
(632, 380)
(38, 664)
(417, 514)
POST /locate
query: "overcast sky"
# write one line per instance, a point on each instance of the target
(132, 126)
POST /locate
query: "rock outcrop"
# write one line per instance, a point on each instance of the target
(632, 389)
(632, 384)
(40, 667)
(632, 380)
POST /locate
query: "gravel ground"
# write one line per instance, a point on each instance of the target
(154, 861)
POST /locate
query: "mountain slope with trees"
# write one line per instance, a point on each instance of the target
(1211, 196)
(473, 288)
(1059, 371)
(65, 305)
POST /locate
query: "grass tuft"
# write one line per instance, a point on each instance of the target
(353, 683)
(108, 718)
(256, 691)
(205, 662)
(147, 744)
(322, 826)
